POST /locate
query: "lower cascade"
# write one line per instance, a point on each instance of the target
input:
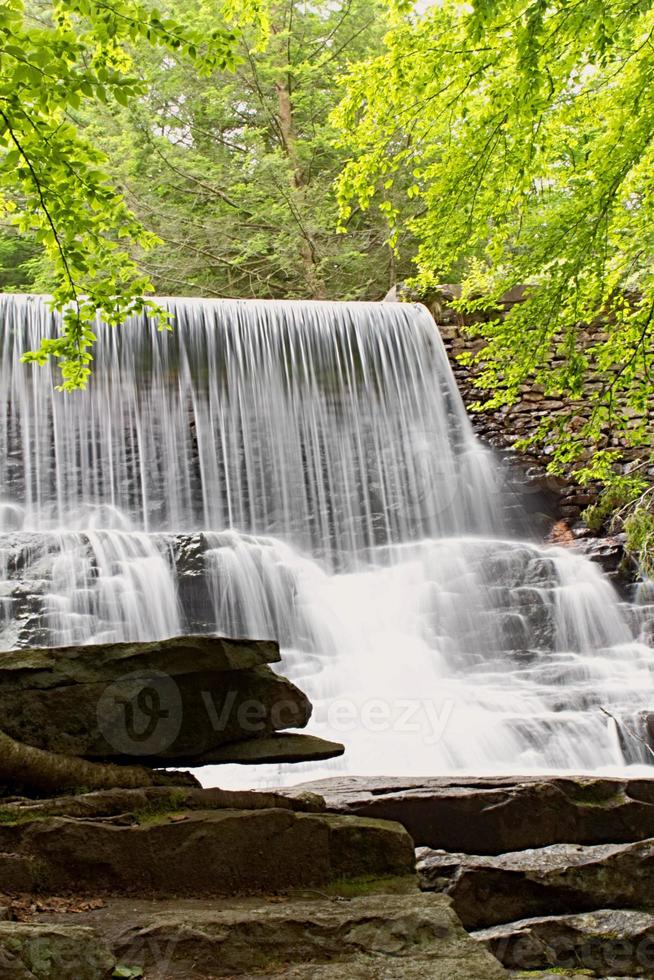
(306, 472)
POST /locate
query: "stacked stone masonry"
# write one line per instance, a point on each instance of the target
(503, 427)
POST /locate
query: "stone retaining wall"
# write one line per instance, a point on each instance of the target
(503, 427)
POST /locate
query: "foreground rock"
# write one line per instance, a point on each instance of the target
(171, 848)
(496, 815)
(371, 937)
(563, 878)
(46, 952)
(172, 702)
(132, 806)
(610, 942)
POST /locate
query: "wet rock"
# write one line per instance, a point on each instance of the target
(608, 552)
(34, 951)
(498, 814)
(188, 553)
(644, 727)
(189, 558)
(166, 703)
(369, 937)
(274, 748)
(610, 942)
(562, 878)
(204, 853)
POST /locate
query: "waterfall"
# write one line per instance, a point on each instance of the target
(335, 426)
(307, 472)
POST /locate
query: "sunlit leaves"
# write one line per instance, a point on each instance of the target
(55, 59)
(529, 128)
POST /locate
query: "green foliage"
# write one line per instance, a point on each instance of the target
(627, 506)
(554, 971)
(158, 810)
(615, 497)
(234, 171)
(528, 132)
(58, 58)
(186, 150)
(347, 888)
(639, 528)
(124, 972)
(20, 262)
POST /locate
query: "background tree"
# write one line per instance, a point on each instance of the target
(235, 172)
(57, 59)
(527, 127)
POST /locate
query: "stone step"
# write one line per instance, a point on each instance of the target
(36, 951)
(135, 805)
(556, 880)
(376, 936)
(183, 851)
(608, 942)
(493, 815)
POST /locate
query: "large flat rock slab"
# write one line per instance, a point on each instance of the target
(198, 852)
(36, 951)
(172, 702)
(555, 880)
(481, 815)
(377, 936)
(131, 806)
(51, 666)
(609, 942)
(287, 747)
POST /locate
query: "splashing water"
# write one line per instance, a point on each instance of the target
(306, 471)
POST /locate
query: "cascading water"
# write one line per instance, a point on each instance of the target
(306, 471)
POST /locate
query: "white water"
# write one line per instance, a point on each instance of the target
(345, 509)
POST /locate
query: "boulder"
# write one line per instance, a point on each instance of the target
(563, 878)
(610, 942)
(36, 951)
(168, 702)
(172, 850)
(494, 815)
(374, 936)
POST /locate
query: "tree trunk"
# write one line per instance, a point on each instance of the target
(25, 768)
(288, 140)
